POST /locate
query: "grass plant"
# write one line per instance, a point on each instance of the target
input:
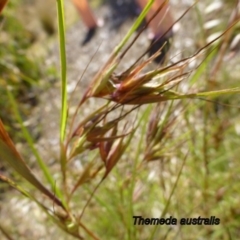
(161, 145)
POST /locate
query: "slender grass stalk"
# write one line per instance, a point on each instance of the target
(143, 119)
(134, 26)
(30, 142)
(63, 124)
(104, 204)
(10, 155)
(201, 24)
(19, 74)
(170, 196)
(5, 232)
(51, 215)
(203, 66)
(61, 29)
(205, 155)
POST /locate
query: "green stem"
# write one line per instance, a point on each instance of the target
(61, 28)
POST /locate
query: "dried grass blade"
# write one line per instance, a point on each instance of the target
(2, 4)
(9, 154)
